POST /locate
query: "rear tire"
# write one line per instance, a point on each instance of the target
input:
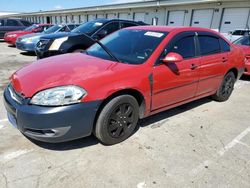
(117, 120)
(226, 88)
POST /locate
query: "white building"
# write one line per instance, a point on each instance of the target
(4, 13)
(223, 15)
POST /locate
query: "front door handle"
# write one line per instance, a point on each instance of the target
(193, 66)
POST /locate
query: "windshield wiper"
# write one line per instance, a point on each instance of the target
(108, 51)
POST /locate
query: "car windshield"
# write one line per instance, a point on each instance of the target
(52, 29)
(30, 28)
(129, 46)
(243, 41)
(89, 27)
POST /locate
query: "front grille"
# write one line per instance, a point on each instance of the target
(15, 95)
(42, 43)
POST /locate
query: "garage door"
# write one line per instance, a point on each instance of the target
(123, 16)
(234, 18)
(139, 16)
(100, 16)
(91, 17)
(111, 16)
(176, 18)
(202, 18)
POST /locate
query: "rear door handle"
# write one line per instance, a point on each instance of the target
(193, 66)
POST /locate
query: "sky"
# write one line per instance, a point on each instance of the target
(37, 5)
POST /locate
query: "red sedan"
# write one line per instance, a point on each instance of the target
(244, 44)
(12, 36)
(131, 74)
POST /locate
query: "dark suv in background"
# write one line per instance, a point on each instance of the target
(12, 24)
(81, 37)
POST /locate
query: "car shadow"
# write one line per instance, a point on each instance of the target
(11, 46)
(92, 140)
(172, 112)
(28, 53)
(70, 145)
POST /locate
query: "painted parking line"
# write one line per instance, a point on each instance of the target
(3, 120)
(235, 141)
(221, 152)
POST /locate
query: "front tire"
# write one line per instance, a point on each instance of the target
(117, 120)
(226, 88)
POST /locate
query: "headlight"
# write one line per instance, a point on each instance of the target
(59, 96)
(12, 35)
(57, 43)
(27, 40)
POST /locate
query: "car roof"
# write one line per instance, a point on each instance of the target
(104, 20)
(172, 29)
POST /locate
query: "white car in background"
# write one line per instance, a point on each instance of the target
(236, 34)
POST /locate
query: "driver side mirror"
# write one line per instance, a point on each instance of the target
(172, 57)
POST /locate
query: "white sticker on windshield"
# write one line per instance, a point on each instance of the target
(98, 23)
(154, 34)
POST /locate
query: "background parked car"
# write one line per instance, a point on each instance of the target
(234, 35)
(10, 37)
(77, 40)
(12, 24)
(244, 44)
(28, 42)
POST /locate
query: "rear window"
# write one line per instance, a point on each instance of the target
(243, 41)
(209, 45)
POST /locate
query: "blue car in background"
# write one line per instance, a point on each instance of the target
(28, 42)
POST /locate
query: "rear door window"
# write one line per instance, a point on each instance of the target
(209, 45)
(185, 47)
(225, 47)
(1, 22)
(12, 23)
(25, 23)
(127, 24)
(111, 27)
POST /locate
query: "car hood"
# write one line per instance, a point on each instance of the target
(68, 69)
(18, 32)
(31, 35)
(59, 35)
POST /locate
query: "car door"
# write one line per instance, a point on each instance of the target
(176, 82)
(213, 61)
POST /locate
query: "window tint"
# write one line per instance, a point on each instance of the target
(209, 45)
(111, 27)
(127, 24)
(12, 23)
(25, 23)
(225, 47)
(185, 47)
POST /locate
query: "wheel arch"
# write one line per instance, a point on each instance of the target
(133, 92)
(234, 70)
